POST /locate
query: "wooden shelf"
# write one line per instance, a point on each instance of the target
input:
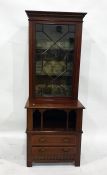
(54, 103)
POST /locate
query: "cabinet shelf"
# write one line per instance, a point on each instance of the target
(55, 49)
(54, 129)
(54, 76)
(54, 119)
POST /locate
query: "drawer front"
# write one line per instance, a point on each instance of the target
(53, 140)
(53, 154)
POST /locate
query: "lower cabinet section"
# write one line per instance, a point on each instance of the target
(53, 154)
(53, 147)
(54, 131)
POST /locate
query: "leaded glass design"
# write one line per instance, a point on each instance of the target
(54, 59)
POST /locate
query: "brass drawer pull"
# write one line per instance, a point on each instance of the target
(42, 140)
(42, 150)
(65, 150)
(66, 140)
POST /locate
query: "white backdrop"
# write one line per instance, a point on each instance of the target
(93, 72)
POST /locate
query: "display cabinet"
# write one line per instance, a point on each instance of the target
(54, 113)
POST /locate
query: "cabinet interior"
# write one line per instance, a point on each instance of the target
(54, 119)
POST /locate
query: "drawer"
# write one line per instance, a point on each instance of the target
(53, 140)
(53, 154)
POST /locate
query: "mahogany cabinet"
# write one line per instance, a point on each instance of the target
(54, 113)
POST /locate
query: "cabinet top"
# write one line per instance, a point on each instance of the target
(53, 104)
(55, 14)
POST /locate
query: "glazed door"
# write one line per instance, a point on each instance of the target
(54, 60)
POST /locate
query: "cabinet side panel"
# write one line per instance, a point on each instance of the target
(31, 60)
(77, 60)
(29, 151)
(29, 119)
(79, 114)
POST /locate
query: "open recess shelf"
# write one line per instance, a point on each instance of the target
(54, 119)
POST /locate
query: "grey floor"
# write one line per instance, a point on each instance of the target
(13, 157)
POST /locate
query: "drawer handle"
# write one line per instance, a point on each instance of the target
(42, 150)
(65, 150)
(42, 140)
(66, 140)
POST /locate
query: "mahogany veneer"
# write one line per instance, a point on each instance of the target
(54, 113)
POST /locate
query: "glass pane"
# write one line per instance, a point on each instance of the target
(54, 59)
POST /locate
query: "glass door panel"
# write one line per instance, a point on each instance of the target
(54, 59)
